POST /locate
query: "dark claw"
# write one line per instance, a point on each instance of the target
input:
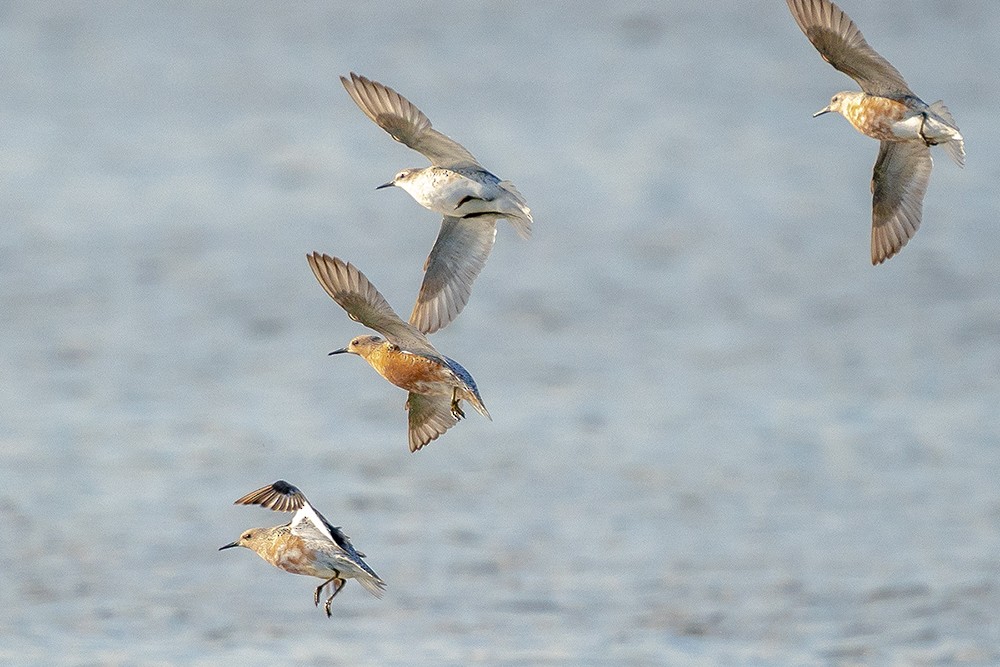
(337, 585)
(319, 589)
(456, 409)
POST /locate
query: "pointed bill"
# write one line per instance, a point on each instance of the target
(841, 44)
(899, 182)
(459, 254)
(405, 122)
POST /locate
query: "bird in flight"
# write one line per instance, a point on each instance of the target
(470, 198)
(308, 544)
(402, 354)
(885, 109)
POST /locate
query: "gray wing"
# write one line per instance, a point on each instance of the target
(311, 526)
(899, 182)
(429, 417)
(316, 536)
(405, 122)
(308, 522)
(458, 255)
(841, 44)
(280, 497)
(363, 303)
(465, 377)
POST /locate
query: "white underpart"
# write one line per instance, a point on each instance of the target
(307, 512)
(441, 190)
(917, 126)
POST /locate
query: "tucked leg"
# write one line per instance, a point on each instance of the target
(456, 408)
(923, 123)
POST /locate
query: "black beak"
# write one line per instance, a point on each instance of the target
(229, 546)
(342, 350)
(385, 185)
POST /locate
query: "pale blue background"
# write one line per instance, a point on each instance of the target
(720, 436)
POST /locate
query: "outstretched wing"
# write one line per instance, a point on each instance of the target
(363, 303)
(458, 255)
(899, 182)
(841, 44)
(405, 123)
(429, 418)
(280, 497)
(307, 522)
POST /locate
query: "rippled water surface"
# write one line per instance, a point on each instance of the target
(720, 436)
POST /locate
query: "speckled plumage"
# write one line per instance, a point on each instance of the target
(308, 544)
(886, 110)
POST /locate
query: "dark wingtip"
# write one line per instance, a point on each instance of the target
(281, 486)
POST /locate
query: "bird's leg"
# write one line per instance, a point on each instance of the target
(923, 122)
(456, 409)
(338, 583)
(320, 588)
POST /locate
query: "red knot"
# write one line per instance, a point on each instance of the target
(404, 357)
(308, 544)
(470, 198)
(886, 110)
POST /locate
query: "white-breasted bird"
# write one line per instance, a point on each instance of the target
(470, 198)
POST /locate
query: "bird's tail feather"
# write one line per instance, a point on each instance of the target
(372, 584)
(521, 220)
(955, 146)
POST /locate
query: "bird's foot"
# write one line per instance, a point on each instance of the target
(456, 408)
(337, 585)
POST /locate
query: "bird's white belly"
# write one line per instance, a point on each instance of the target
(908, 127)
(442, 191)
(917, 126)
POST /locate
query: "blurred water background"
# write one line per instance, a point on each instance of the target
(720, 436)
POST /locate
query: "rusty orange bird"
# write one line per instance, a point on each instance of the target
(886, 110)
(403, 356)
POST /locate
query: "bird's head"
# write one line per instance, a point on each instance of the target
(402, 179)
(250, 539)
(361, 346)
(838, 103)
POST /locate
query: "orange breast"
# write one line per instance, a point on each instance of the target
(409, 371)
(874, 116)
(290, 553)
